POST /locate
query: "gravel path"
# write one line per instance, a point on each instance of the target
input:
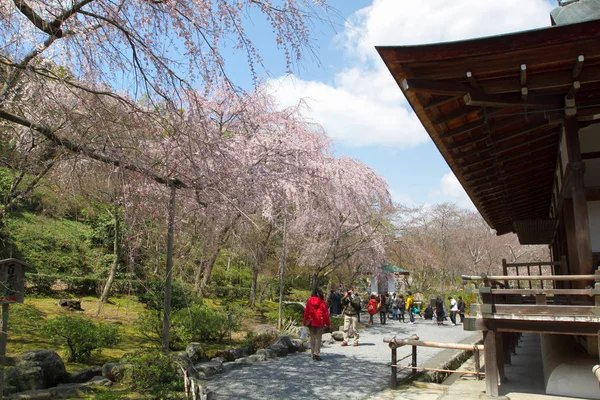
(345, 372)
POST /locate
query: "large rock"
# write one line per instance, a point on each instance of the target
(226, 355)
(114, 371)
(39, 369)
(70, 304)
(327, 338)
(85, 375)
(280, 349)
(287, 342)
(196, 352)
(210, 368)
(338, 335)
(298, 345)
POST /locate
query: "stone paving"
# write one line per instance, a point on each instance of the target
(361, 372)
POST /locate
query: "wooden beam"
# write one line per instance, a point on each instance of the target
(549, 326)
(460, 113)
(472, 80)
(590, 155)
(573, 90)
(578, 66)
(523, 75)
(438, 102)
(508, 100)
(434, 87)
(462, 129)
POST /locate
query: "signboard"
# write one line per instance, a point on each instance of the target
(12, 280)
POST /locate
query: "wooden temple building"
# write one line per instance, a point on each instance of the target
(517, 118)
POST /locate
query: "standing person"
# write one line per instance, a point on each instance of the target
(359, 306)
(394, 307)
(409, 307)
(337, 299)
(316, 316)
(461, 309)
(401, 307)
(382, 308)
(331, 302)
(439, 310)
(372, 308)
(453, 309)
(349, 310)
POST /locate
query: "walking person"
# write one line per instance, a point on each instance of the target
(401, 308)
(382, 308)
(461, 309)
(316, 316)
(350, 307)
(439, 310)
(453, 309)
(372, 308)
(394, 307)
(409, 307)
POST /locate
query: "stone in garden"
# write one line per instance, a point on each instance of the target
(338, 335)
(226, 355)
(210, 368)
(298, 345)
(287, 342)
(327, 338)
(256, 358)
(70, 304)
(99, 381)
(85, 375)
(39, 369)
(114, 371)
(196, 352)
(267, 353)
(280, 349)
(241, 352)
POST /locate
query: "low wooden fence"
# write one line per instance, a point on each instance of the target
(414, 341)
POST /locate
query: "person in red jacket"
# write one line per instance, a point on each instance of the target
(316, 316)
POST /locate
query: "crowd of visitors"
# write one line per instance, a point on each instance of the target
(392, 306)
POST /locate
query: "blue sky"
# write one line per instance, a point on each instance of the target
(352, 94)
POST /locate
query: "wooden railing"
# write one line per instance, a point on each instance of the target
(544, 304)
(529, 269)
(414, 341)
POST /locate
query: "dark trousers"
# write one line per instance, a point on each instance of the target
(382, 316)
(453, 317)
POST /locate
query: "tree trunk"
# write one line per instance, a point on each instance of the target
(314, 281)
(281, 276)
(115, 264)
(169, 278)
(254, 287)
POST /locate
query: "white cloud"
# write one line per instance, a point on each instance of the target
(364, 105)
(451, 190)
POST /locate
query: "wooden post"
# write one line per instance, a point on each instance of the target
(580, 211)
(506, 348)
(505, 272)
(500, 355)
(477, 362)
(414, 358)
(3, 338)
(394, 368)
(491, 366)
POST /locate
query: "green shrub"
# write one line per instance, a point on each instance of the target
(337, 322)
(152, 371)
(291, 311)
(80, 336)
(202, 324)
(82, 286)
(149, 325)
(152, 294)
(255, 341)
(39, 284)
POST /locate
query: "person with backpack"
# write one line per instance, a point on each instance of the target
(409, 307)
(350, 307)
(316, 316)
(382, 308)
(394, 307)
(372, 308)
(401, 308)
(461, 309)
(439, 310)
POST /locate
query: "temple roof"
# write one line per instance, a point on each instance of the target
(494, 108)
